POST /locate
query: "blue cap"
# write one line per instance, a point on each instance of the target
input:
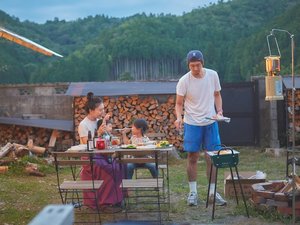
(194, 55)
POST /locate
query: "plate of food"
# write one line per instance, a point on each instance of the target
(129, 146)
(219, 118)
(150, 143)
(81, 147)
(146, 147)
(163, 144)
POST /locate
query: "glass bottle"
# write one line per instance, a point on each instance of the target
(95, 138)
(90, 143)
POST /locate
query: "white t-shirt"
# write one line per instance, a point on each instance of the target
(85, 126)
(199, 100)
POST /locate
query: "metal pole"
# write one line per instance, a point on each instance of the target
(293, 131)
(293, 118)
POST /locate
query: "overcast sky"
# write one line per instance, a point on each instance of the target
(40, 11)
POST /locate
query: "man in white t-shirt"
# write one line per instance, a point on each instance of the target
(198, 92)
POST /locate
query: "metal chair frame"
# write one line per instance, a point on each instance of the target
(147, 191)
(75, 187)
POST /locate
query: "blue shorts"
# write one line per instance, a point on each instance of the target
(197, 138)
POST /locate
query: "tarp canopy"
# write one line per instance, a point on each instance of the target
(26, 42)
(65, 125)
(119, 88)
(288, 82)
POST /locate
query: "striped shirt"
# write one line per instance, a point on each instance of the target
(139, 140)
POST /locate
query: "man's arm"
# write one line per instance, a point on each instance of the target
(179, 111)
(218, 103)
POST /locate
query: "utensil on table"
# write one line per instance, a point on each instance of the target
(121, 129)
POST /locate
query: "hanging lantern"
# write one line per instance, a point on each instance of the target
(273, 79)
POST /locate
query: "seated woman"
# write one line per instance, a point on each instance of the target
(110, 172)
(138, 137)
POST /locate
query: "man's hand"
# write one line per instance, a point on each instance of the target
(218, 115)
(178, 123)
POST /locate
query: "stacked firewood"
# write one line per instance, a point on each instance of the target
(15, 150)
(21, 134)
(125, 109)
(297, 109)
(11, 152)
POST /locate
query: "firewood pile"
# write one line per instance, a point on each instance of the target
(20, 134)
(276, 195)
(40, 136)
(12, 151)
(20, 141)
(125, 109)
(297, 114)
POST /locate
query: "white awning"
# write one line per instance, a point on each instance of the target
(26, 42)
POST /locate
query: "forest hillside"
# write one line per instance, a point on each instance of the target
(231, 35)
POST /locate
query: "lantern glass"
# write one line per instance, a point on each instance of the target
(272, 65)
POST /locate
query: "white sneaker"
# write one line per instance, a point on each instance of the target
(192, 199)
(219, 200)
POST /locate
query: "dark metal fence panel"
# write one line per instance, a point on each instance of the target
(240, 104)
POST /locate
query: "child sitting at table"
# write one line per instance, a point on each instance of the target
(138, 137)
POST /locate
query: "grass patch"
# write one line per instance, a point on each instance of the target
(17, 168)
(270, 216)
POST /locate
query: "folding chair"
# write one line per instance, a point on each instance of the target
(162, 167)
(142, 195)
(71, 190)
(163, 172)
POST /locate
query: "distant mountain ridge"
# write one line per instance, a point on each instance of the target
(232, 36)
